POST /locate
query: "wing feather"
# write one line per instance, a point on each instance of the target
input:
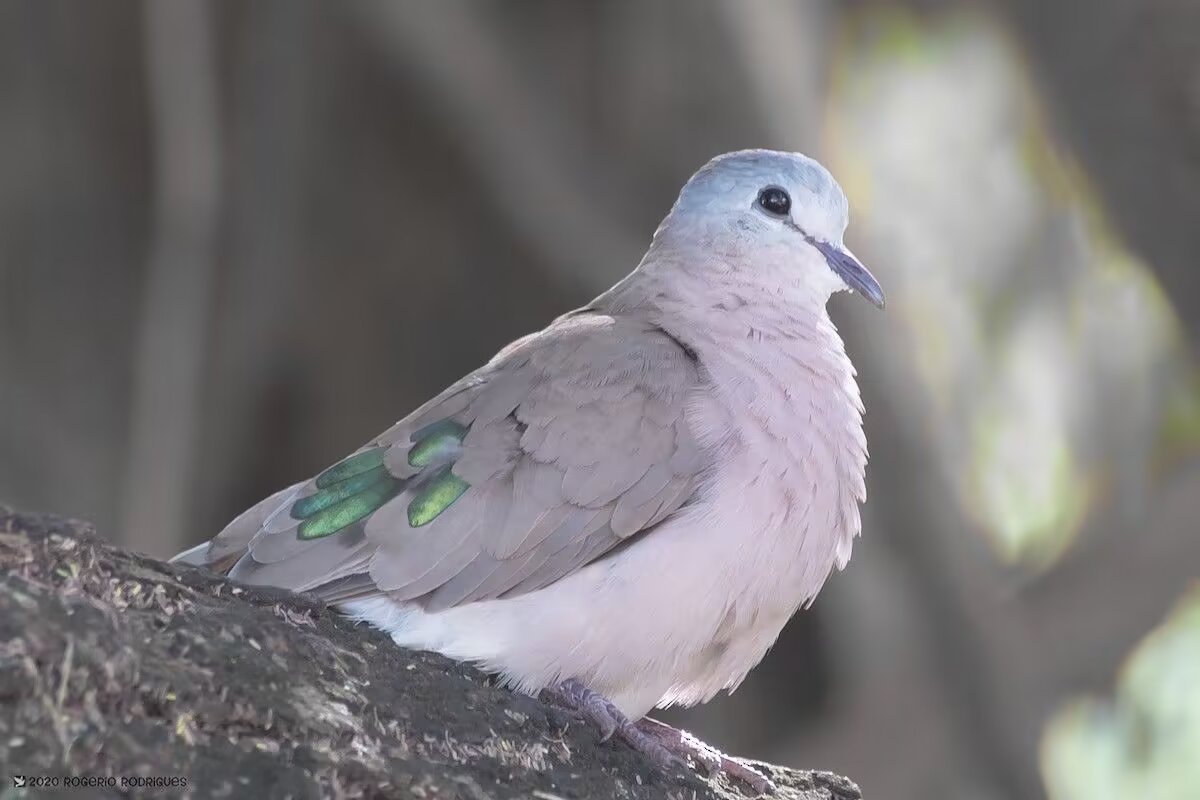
(568, 443)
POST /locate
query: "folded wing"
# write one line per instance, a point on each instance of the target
(568, 443)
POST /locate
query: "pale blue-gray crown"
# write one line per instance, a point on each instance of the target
(753, 169)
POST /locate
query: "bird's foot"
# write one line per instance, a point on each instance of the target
(665, 746)
(685, 745)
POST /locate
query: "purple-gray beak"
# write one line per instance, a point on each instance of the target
(848, 268)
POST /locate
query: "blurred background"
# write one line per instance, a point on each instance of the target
(239, 239)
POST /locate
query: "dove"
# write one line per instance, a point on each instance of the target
(624, 508)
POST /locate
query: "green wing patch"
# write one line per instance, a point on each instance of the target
(435, 497)
(355, 464)
(351, 510)
(335, 493)
(358, 486)
(436, 441)
(347, 492)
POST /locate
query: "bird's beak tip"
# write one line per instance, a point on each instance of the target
(856, 277)
(860, 279)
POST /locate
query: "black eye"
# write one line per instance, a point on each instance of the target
(774, 201)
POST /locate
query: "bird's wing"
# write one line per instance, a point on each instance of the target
(569, 442)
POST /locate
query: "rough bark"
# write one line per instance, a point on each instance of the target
(115, 665)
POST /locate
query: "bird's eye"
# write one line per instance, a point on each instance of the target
(774, 201)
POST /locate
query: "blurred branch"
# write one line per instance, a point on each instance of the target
(519, 144)
(783, 49)
(1140, 57)
(1089, 612)
(958, 596)
(170, 357)
(274, 90)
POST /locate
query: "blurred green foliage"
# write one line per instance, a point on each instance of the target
(1145, 742)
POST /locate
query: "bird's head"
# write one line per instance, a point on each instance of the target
(781, 214)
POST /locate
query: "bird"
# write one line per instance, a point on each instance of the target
(623, 509)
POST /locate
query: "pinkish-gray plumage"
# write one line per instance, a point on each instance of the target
(637, 497)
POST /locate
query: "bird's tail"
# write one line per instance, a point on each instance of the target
(225, 549)
(194, 556)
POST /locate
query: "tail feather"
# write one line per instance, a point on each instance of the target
(194, 556)
(226, 548)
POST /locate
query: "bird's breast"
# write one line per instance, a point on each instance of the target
(784, 425)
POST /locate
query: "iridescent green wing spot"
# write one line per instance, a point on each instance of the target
(358, 486)
(348, 491)
(355, 464)
(437, 442)
(435, 497)
(335, 493)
